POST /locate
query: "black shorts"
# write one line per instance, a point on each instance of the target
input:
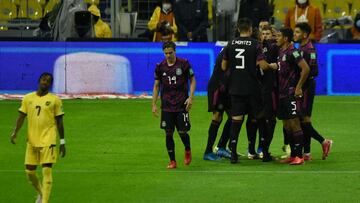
(309, 95)
(247, 104)
(180, 120)
(270, 104)
(289, 108)
(218, 100)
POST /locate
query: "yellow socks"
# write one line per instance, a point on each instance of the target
(47, 184)
(33, 179)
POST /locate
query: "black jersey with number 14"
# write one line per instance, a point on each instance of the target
(174, 84)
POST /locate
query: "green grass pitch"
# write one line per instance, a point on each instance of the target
(116, 153)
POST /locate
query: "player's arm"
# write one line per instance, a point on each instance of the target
(19, 123)
(224, 65)
(225, 59)
(303, 76)
(188, 101)
(60, 127)
(266, 66)
(155, 97)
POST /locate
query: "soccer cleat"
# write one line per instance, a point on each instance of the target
(287, 150)
(38, 199)
(326, 147)
(187, 159)
(211, 157)
(172, 165)
(234, 158)
(307, 157)
(252, 156)
(261, 155)
(287, 160)
(268, 158)
(297, 161)
(221, 152)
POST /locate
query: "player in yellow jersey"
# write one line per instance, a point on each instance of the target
(45, 118)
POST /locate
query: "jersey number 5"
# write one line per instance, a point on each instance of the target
(241, 57)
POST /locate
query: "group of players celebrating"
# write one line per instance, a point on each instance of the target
(263, 76)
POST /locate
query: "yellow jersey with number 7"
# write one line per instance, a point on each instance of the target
(41, 112)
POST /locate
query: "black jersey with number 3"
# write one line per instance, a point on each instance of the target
(242, 54)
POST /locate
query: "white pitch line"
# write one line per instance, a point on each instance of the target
(196, 171)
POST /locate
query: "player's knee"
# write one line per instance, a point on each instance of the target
(169, 132)
(182, 133)
(237, 118)
(47, 175)
(217, 116)
(30, 167)
(30, 173)
(306, 119)
(295, 126)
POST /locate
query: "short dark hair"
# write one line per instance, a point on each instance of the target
(304, 27)
(169, 44)
(287, 32)
(47, 74)
(244, 24)
(268, 27)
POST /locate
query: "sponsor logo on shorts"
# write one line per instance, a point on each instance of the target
(163, 124)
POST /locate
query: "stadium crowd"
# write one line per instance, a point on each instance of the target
(180, 20)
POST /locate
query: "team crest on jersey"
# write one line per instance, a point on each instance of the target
(296, 54)
(47, 103)
(164, 74)
(284, 58)
(313, 56)
(178, 71)
(163, 124)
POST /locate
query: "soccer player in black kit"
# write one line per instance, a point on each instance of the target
(268, 80)
(292, 74)
(218, 103)
(171, 78)
(301, 35)
(241, 57)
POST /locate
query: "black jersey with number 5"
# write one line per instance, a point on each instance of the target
(242, 54)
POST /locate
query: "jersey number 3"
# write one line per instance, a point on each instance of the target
(241, 57)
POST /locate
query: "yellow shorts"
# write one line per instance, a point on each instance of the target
(40, 155)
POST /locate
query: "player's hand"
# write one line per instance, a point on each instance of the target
(154, 110)
(190, 36)
(62, 151)
(298, 92)
(188, 104)
(13, 138)
(273, 66)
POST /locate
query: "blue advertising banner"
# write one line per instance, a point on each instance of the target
(118, 67)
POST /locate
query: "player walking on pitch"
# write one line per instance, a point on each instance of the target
(45, 116)
(171, 78)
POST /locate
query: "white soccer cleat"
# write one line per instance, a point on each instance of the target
(38, 199)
